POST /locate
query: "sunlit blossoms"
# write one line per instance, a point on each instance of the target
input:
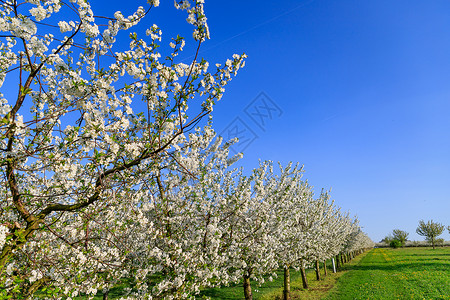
(109, 180)
(91, 122)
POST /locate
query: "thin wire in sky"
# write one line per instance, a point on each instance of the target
(253, 28)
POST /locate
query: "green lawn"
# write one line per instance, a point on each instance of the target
(409, 273)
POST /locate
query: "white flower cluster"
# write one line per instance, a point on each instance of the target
(64, 26)
(4, 106)
(3, 232)
(41, 12)
(20, 27)
(131, 20)
(155, 3)
(196, 17)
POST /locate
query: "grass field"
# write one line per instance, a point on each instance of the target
(409, 273)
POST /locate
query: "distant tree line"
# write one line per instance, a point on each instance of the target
(430, 230)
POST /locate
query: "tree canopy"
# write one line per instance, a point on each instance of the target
(430, 230)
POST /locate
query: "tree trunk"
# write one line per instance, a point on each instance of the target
(287, 284)
(325, 273)
(304, 280)
(338, 263)
(105, 295)
(333, 264)
(317, 270)
(247, 288)
(35, 286)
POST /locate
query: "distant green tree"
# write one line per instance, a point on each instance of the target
(395, 244)
(430, 231)
(400, 235)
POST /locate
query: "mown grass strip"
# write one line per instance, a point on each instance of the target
(317, 289)
(409, 273)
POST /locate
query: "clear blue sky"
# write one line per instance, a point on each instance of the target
(361, 92)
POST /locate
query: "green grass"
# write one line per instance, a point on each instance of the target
(409, 273)
(264, 291)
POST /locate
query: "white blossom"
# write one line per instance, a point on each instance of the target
(3, 232)
(64, 26)
(39, 12)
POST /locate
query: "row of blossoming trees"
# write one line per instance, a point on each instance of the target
(106, 178)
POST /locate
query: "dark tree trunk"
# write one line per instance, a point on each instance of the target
(247, 288)
(105, 295)
(325, 273)
(338, 263)
(287, 284)
(304, 280)
(317, 270)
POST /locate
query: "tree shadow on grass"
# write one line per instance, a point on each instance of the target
(427, 254)
(222, 293)
(435, 265)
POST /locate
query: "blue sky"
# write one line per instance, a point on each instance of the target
(360, 96)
